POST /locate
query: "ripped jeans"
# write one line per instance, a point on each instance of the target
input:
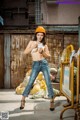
(38, 66)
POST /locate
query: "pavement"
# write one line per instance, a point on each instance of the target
(35, 109)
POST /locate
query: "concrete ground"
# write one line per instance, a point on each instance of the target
(35, 109)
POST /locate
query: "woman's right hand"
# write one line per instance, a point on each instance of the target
(34, 45)
(31, 45)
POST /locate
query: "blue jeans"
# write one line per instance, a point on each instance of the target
(38, 66)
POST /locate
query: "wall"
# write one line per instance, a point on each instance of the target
(18, 12)
(60, 13)
(19, 66)
(51, 13)
(15, 66)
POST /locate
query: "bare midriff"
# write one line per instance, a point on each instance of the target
(36, 56)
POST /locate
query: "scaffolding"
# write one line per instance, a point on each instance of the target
(38, 11)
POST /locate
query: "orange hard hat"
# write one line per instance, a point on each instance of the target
(40, 29)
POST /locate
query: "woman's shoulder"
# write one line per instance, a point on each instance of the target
(32, 41)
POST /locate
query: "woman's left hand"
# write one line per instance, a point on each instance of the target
(40, 50)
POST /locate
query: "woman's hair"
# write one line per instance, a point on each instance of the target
(42, 41)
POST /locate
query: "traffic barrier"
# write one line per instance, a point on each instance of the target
(68, 86)
(77, 105)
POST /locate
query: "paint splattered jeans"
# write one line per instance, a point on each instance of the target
(38, 66)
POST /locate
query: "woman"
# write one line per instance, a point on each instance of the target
(39, 51)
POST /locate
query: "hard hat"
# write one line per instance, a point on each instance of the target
(40, 29)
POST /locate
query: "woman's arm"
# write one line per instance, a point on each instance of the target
(28, 48)
(26, 51)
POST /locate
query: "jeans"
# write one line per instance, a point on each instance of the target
(38, 66)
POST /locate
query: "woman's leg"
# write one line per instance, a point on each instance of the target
(46, 74)
(33, 76)
(34, 73)
(48, 83)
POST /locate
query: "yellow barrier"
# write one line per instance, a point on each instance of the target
(67, 78)
(67, 53)
(77, 105)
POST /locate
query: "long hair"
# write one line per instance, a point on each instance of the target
(42, 41)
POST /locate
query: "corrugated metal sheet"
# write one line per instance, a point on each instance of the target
(19, 66)
(14, 44)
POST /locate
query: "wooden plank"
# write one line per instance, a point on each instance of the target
(6, 60)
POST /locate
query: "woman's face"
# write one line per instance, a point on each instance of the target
(39, 36)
